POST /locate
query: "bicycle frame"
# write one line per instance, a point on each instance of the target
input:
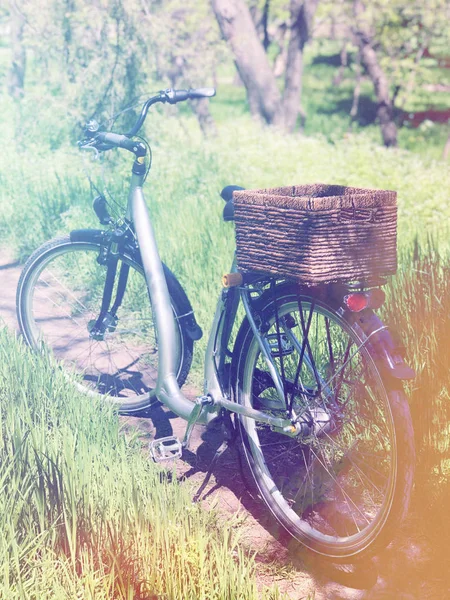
(167, 389)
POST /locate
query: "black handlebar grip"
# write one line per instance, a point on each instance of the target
(202, 93)
(174, 96)
(118, 140)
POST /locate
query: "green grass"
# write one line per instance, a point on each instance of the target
(46, 193)
(85, 514)
(418, 308)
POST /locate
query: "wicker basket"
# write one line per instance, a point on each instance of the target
(317, 233)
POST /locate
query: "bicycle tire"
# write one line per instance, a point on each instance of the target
(318, 486)
(59, 297)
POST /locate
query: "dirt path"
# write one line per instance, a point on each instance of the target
(9, 276)
(401, 572)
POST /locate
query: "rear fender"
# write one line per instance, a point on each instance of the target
(366, 323)
(385, 351)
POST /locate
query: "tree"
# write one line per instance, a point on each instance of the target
(264, 98)
(368, 56)
(302, 14)
(187, 48)
(392, 38)
(94, 57)
(16, 75)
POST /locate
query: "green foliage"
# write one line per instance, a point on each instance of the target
(85, 514)
(91, 59)
(187, 42)
(403, 30)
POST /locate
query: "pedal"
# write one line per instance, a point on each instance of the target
(167, 448)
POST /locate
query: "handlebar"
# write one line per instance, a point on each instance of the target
(172, 97)
(105, 141)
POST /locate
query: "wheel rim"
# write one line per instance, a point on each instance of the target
(62, 300)
(332, 487)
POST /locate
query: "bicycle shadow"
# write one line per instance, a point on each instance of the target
(388, 575)
(275, 546)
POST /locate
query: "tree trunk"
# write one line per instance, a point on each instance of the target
(16, 75)
(337, 79)
(263, 96)
(204, 117)
(265, 23)
(369, 60)
(279, 65)
(302, 13)
(68, 8)
(239, 31)
(260, 19)
(357, 90)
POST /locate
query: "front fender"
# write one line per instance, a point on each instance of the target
(386, 353)
(94, 236)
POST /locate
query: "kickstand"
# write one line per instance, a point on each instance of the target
(229, 432)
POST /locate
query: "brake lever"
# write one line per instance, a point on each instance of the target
(104, 147)
(89, 142)
(89, 145)
(94, 145)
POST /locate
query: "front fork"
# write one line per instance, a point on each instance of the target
(107, 319)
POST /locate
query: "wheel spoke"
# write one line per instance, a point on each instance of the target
(305, 330)
(61, 301)
(334, 479)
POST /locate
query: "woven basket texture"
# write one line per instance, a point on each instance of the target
(317, 233)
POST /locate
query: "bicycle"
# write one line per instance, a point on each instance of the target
(312, 382)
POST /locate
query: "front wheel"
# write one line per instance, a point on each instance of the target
(343, 484)
(59, 300)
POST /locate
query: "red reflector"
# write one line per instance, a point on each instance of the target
(357, 302)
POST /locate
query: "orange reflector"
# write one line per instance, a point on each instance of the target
(232, 280)
(357, 302)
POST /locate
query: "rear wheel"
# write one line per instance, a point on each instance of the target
(58, 304)
(342, 484)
